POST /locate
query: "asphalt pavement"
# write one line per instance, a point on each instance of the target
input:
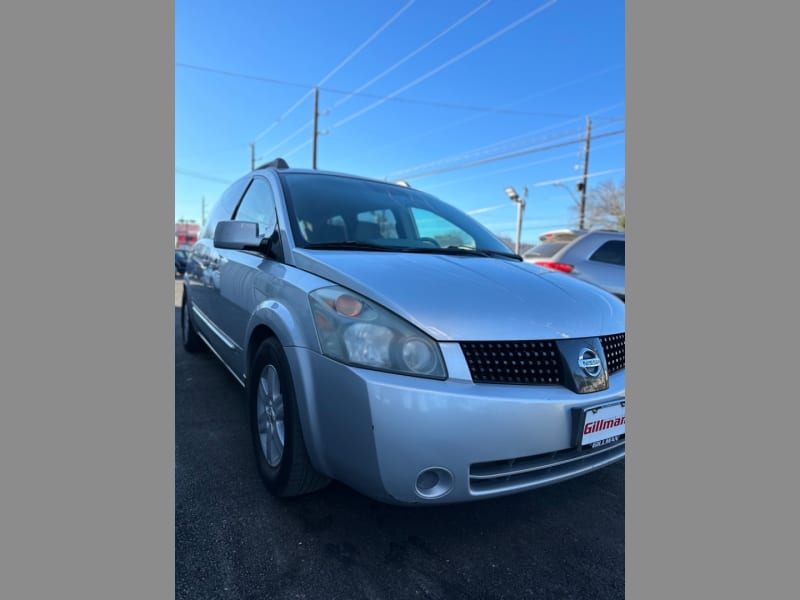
(233, 540)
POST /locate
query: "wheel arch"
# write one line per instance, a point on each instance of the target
(259, 331)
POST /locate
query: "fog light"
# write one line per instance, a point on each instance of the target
(434, 482)
(427, 480)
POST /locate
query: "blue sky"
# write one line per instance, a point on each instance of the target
(460, 98)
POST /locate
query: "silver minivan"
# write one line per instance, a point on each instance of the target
(387, 340)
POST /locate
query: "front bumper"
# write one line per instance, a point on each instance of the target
(379, 432)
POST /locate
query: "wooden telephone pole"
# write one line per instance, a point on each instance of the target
(582, 185)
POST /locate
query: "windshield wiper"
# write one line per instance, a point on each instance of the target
(348, 245)
(451, 250)
(457, 250)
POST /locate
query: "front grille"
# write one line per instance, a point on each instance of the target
(525, 363)
(614, 349)
(535, 362)
(542, 469)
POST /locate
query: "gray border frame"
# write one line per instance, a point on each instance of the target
(86, 432)
(711, 98)
(87, 370)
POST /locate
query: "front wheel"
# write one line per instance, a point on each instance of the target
(278, 442)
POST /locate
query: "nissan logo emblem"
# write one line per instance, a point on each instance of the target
(590, 362)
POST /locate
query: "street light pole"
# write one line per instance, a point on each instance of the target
(514, 197)
(520, 208)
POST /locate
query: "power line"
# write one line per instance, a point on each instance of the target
(337, 68)
(446, 64)
(492, 148)
(441, 34)
(289, 137)
(442, 184)
(588, 176)
(507, 145)
(497, 146)
(470, 118)
(239, 75)
(519, 138)
(511, 155)
(213, 151)
(297, 149)
(201, 176)
(452, 105)
(367, 42)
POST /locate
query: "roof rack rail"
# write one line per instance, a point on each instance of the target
(278, 163)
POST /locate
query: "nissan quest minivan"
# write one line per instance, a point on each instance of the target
(387, 340)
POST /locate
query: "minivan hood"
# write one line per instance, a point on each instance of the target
(470, 298)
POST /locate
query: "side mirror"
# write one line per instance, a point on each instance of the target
(237, 235)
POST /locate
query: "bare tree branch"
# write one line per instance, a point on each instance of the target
(605, 207)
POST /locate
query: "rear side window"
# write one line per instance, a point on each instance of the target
(612, 252)
(258, 206)
(223, 209)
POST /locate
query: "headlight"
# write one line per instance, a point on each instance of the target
(355, 331)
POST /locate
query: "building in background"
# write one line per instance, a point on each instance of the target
(186, 233)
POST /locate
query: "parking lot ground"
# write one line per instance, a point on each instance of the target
(233, 540)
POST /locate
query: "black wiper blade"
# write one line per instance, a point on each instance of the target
(503, 254)
(456, 250)
(347, 245)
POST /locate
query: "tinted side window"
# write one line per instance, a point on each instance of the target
(612, 252)
(258, 206)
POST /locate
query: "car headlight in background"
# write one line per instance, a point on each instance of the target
(355, 331)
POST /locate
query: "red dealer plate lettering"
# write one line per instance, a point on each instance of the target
(603, 424)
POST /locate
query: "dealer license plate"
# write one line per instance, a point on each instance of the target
(602, 424)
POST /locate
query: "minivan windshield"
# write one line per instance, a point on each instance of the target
(335, 212)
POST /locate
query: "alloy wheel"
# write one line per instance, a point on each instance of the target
(270, 416)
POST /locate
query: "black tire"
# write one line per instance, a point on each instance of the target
(284, 465)
(192, 342)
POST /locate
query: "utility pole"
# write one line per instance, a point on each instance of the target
(252, 157)
(582, 185)
(314, 140)
(203, 211)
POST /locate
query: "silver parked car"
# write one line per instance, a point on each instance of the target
(543, 250)
(551, 242)
(597, 257)
(387, 340)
